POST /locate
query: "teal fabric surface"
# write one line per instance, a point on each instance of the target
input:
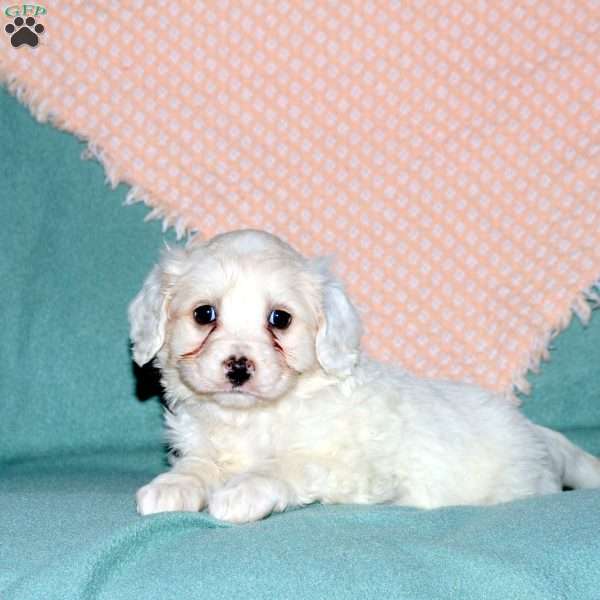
(73, 535)
(76, 439)
(71, 258)
(566, 393)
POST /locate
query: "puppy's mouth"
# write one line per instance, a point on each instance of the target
(235, 389)
(239, 396)
(232, 391)
(236, 398)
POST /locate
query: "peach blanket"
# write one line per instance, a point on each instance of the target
(447, 152)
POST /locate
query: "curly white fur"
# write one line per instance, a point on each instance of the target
(316, 420)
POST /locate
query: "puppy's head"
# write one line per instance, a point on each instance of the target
(240, 318)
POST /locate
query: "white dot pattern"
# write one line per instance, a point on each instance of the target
(446, 152)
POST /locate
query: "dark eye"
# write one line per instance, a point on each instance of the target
(280, 319)
(205, 314)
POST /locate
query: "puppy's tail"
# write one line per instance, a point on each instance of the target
(578, 468)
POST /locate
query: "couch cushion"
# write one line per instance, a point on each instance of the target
(71, 258)
(566, 392)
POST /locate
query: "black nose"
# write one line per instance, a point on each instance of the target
(238, 370)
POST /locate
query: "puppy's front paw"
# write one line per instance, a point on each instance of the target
(248, 498)
(170, 492)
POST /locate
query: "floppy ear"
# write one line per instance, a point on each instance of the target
(338, 337)
(148, 310)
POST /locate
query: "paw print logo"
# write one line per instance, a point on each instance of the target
(24, 32)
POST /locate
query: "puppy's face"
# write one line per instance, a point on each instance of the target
(239, 319)
(242, 326)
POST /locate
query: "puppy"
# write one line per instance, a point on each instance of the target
(272, 404)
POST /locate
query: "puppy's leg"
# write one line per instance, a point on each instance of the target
(250, 497)
(184, 488)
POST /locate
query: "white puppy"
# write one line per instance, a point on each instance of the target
(272, 404)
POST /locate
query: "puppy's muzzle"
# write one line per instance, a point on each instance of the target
(238, 370)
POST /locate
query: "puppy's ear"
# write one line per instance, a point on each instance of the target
(148, 310)
(338, 336)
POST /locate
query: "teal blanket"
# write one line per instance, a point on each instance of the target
(69, 531)
(80, 430)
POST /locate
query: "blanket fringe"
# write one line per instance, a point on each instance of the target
(39, 109)
(582, 305)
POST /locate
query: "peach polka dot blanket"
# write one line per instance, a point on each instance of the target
(446, 152)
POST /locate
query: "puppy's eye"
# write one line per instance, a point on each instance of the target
(280, 319)
(205, 314)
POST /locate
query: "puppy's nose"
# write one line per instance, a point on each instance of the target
(238, 369)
